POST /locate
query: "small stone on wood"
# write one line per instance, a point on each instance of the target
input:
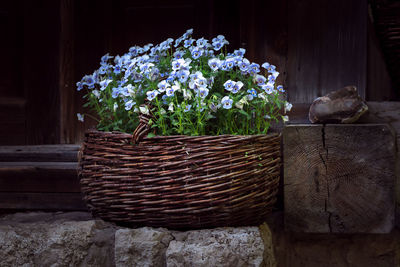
(341, 106)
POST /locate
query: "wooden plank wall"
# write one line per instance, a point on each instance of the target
(40, 70)
(327, 47)
(379, 84)
(68, 125)
(317, 46)
(12, 98)
(39, 178)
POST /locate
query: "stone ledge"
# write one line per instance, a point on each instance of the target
(75, 239)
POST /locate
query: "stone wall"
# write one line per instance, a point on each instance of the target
(75, 239)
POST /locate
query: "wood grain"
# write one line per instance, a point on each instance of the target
(41, 201)
(12, 121)
(68, 122)
(327, 47)
(40, 70)
(41, 153)
(339, 178)
(43, 177)
(379, 84)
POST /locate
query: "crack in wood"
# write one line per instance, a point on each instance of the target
(326, 177)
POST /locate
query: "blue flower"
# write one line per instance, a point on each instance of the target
(271, 68)
(265, 65)
(147, 47)
(143, 59)
(129, 104)
(103, 69)
(252, 92)
(145, 68)
(280, 88)
(275, 74)
(214, 63)
(271, 79)
(179, 54)
(117, 69)
(88, 80)
(244, 65)
(139, 50)
(201, 42)
(115, 92)
(128, 73)
(177, 64)
(214, 106)
(288, 106)
(80, 117)
(170, 78)
(187, 33)
(96, 93)
(203, 92)
(238, 85)
(188, 43)
(124, 91)
(170, 91)
(121, 83)
(130, 90)
(151, 94)
(201, 82)
(196, 75)
(254, 68)
(162, 86)
(105, 58)
(183, 75)
(240, 52)
(229, 85)
(259, 79)
(178, 41)
(224, 65)
(268, 88)
(220, 38)
(187, 108)
(226, 102)
(79, 86)
(104, 84)
(217, 45)
(133, 51)
(230, 62)
(197, 52)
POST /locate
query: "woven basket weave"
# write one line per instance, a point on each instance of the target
(180, 182)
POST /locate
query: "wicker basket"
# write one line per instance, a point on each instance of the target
(180, 182)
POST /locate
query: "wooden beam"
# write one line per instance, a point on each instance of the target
(39, 177)
(43, 153)
(41, 201)
(339, 178)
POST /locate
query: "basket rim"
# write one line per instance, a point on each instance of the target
(128, 135)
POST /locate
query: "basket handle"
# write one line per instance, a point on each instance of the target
(142, 129)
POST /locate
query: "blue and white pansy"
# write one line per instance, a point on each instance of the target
(189, 86)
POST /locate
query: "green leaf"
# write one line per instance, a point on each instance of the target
(245, 113)
(150, 135)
